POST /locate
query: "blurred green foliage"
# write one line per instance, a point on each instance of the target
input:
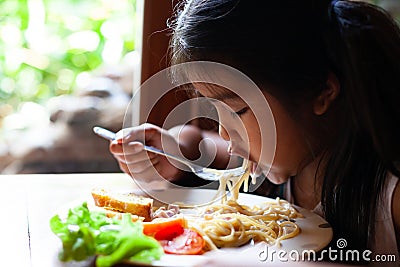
(46, 44)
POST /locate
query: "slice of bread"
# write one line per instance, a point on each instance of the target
(123, 202)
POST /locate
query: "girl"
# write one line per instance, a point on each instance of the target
(331, 75)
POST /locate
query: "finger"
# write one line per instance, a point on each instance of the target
(115, 147)
(133, 148)
(144, 132)
(142, 166)
(150, 174)
(123, 167)
(126, 149)
(135, 158)
(125, 133)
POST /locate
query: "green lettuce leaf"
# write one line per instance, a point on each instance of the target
(84, 234)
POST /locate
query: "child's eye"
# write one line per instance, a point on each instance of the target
(242, 111)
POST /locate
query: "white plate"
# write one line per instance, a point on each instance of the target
(315, 233)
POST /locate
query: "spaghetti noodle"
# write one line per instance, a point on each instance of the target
(234, 183)
(230, 224)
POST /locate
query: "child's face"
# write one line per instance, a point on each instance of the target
(241, 129)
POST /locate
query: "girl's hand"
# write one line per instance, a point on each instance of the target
(127, 148)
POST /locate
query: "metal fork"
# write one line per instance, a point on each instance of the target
(205, 173)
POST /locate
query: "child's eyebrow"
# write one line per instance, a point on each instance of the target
(222, 96)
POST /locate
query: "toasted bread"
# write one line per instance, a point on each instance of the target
(123, 202)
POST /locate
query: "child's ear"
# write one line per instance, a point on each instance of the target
(327, 95)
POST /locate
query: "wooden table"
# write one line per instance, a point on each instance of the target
(28, 203)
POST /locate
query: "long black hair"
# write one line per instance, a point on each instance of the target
(293, 46)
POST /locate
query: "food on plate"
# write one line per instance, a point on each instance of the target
(166, 212)
(126, 226)
(230, 224)
(166, 225)
(117, 214)
(124, 202)
(165, 228)
(190, 242)
(86, 233)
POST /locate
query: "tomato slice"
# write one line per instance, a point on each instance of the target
(189, 242)
(164, 228)
(169, 232)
